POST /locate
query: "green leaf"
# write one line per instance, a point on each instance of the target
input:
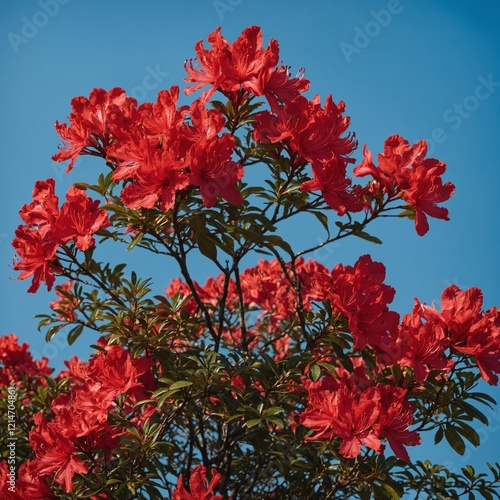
(273, 411)
(454, 440)
(392, 492)
(252, 422)
(179, 384)
(314, 372)
(367, 237)
(207, 246)
(468, 433)
(486, 494)
(438, 436)
(323, 218)
(137, 239)
(74, 334)
(473, 412)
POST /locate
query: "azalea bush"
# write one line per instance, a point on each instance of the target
(278, 377)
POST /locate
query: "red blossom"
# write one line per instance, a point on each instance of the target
(422, 345)
(395, 418)
(469, 329)
(404, 171)
(267, 286)
(310, 130)
(360, 415)
(18, 364)
(359, 293)
(245, 65)
(206, 68)
(156, 180)
(28, 484)
(276, 85)
(38, 258)
(115, 372)
(43, 210)
(335, 410)
(330, 178)
(199, 490)
(55, 454)
(94, 123)
(80, 217)
(164, 118)
(212, 169)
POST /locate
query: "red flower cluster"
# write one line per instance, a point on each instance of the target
(358, 292)
(468, 329)
(241, 68)
(80, 423)
(153, 146)
(162, 150)
(18, 364)
(421, 345)
(47, 227)
(360, 413)
(198, 486)
(94, 122)
(311, 133)
(404, 171)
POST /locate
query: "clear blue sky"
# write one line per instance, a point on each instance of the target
(419, 68)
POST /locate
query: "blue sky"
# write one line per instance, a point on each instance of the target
(418, 68)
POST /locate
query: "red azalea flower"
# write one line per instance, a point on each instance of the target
(309, 129)
(37, 257)
(277, 86)
(80, 217)
(94, 123)
(422, 345)
(43, 210)
(115, 372)
(163, 118)
(198, 486)
(425, 190)
(212, 169)
(404, 171)
(469, 330)
(244, 64)
(395, 418)
(360, 294)
(267, 287)
(28, 484)
(55, 454)
(156, 180)
(484, 344)
(334, 409)
(246, 60)
(206, 69)
(206, 123)
(18, 363)
(330, 178)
